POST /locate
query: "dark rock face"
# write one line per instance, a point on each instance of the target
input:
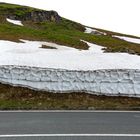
(37, 16)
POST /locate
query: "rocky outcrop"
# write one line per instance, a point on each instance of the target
(37, 16)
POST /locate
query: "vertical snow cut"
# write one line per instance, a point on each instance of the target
(101, 82)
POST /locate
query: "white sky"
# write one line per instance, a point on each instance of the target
(116, 15)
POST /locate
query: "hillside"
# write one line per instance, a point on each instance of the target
(50, 62)
(55, 28)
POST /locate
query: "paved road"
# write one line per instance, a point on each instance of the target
(70, 125)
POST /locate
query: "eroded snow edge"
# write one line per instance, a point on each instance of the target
(115, 82)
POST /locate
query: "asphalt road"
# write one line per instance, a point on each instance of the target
(70, 125)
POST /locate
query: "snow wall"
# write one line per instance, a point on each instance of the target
(102, 82)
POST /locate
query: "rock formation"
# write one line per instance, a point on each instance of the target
(37, 16)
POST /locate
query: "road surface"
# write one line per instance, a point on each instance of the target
(69, 125)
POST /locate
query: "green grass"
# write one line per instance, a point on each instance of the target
(18, 10)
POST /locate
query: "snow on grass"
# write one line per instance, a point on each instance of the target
(38, 44)
(129, 39)
(16, 22)
(26, 46)
(94, 48)
(89, 30)
(29, 53)
(93, 31)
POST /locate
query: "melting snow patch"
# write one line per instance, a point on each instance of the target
(129, 39)
(94, 48)
(93, 31)
(16, 22)
(89, 30)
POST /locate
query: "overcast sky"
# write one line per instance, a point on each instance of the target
(116, 15)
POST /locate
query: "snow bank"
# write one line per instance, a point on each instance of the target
(30, 54)
(129, 39)
(16, 22)
(102, 82)
(67, 69)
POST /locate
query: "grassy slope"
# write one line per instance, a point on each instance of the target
(24, 98)
(66, 32)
